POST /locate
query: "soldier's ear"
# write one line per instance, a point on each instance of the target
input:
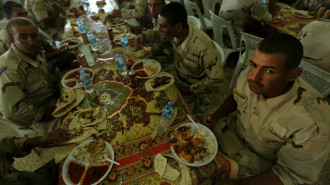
(178, 26)
(11, 40)
(295, 73)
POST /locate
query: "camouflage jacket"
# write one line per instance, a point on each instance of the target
(291, 130)
(140, 12)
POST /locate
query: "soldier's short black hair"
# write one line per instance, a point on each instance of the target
(175, 13)
(7, 7)
(285, 44)
(20, 21)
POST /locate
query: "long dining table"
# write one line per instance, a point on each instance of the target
(132, 113)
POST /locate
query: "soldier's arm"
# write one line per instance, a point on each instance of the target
(263, 13)
(268, 177)
(213, 69)
(12, 100)
(42, 14)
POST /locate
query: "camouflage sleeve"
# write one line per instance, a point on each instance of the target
(4, 42)
(40, 11)
(262, 12)
(3, 47)
(214, 72)
(157, 42)
(137, 12)
(13, 97)
(301, 160)
(10, 147)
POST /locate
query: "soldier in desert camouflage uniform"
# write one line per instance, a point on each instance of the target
(238, 12)
(20, 147)
(161, 48)
(280, 131)
(47, 16)
(315, 38)
(28, 87)
(140, 12)
(198, 72)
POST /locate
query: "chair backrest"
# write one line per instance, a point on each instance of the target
(179, 1)
(210, 5)
(195, 21)
(316, 77)
(220, 53)
(193, 7)
(250, 43)
(219, 27)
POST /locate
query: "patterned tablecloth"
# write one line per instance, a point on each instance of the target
(288, 22)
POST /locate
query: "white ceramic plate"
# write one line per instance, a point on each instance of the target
(302, 14)
(148, 62)
(66, 80)
(124, 21)
(210, 157)
(129, 36)
(71, 158)
(71, 46)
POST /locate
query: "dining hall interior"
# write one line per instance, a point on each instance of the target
(219, 92)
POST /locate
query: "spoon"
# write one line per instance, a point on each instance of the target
(112, 161)
(202, 131)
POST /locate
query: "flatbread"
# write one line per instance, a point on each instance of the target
(91, 117)
(160, 164)
(68, 101)
(148, 83)
(63, 151)
(72, 32)
(85, 133)
(170, 173)
(120, 29)
(71, 42)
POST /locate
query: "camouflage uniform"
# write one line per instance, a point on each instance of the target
(5, 45)
(314, 5)
(40, 9)
(140, 12)
(198, 67)
(315, 38)
(13, 147)
(238, 11)
(162, 49)
(288, 133)
(28, 87)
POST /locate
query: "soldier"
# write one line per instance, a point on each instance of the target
(29, 89)
(20, 147)
(140, 12)
(198, 72)
(312, 5)
(161, 48)
(280, 131)
(13, 9)
(315, 38)
(238, 12)
(47, 16)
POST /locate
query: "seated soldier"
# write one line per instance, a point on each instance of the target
(198, 72)
(312, 5)
(280, 131)
(238, 12)
(29, 89)
(161, 48)
(13, 9)
(20, 147)
(47, 16)
(140, 12)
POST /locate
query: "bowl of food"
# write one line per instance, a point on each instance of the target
(71, 79)
(146, 68)
(191, 147)
(86, 164)
(71, 42)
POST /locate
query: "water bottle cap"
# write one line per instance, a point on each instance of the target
(122, 35)
(82, 71)
(89, 32)
(78, 19)
(170, 103)
(117, 55)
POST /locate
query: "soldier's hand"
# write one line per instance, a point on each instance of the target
(208, 121)
(57, 7)
(139, 42)
(55, 138)
(62, 49)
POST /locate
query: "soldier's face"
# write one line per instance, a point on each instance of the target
(26, 39)
(18, 12)
(268, 74)
(154, 7)
(165, 29)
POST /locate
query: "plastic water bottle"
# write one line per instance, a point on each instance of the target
(121, 64)
(82, 26)
(124, 42)
(83, 2)
(264, 2)
(92, 41)
(166, 117)
(86, 81)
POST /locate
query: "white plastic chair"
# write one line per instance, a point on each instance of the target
(179, 1)
(220, 53)
(191, 7)
(195, 21)
(210, 5)
(316, 77)
(250, 43)
(220, 27)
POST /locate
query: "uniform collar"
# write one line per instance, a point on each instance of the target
(39, 59)
(184, 44)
